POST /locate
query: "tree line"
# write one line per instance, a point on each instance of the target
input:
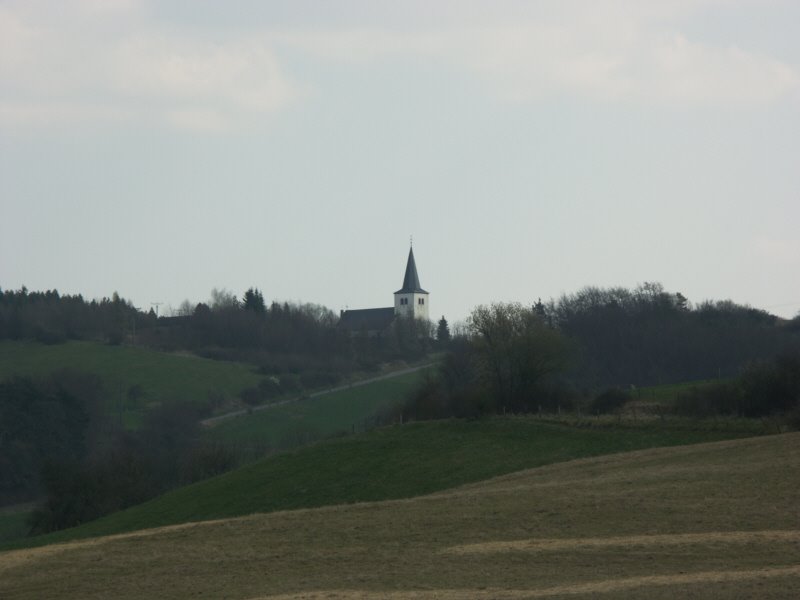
(277, 337)
(648, 336)
(585, 349)
(58, 442)
(582, 349)
(51, 318)
(763, 388)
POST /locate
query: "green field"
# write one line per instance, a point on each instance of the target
(162, 376)
(12, 523)
(291, 424)
(394, 462)
(705, 521)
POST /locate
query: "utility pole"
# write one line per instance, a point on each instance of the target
(156, 304)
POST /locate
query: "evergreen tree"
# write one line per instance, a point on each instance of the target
(254, 300)
(443, 331)
(540, 309)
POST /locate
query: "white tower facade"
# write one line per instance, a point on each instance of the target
(411, 300)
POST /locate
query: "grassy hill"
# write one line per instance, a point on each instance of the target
(669, 392)
(711, 521)
(395, 462)
(162, 376)
(12, 522)
(166, 376)
(313, 418)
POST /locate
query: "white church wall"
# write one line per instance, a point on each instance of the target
(415, 305)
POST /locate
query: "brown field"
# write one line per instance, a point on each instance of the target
(717, 520)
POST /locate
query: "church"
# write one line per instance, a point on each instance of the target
(409, 301)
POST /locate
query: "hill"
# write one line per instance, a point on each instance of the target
(160, 376)
(395, 462)
(658, 523)
(318, 416)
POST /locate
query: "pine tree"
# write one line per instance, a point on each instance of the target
(443, 332)
(254, 300)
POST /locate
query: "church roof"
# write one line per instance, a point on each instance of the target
(367, 319)
(411, 280)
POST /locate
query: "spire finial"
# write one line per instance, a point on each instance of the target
(411, 241)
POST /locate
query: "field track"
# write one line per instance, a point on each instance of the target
(212, 421)
(19, 558)
(599, 587)
(631, 541)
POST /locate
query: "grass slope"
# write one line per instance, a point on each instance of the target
(13, 524)
(668, 393)
(322, 416)
(395, 462)
(163, 376)
(709, 521)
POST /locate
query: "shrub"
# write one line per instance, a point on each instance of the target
(215, 399)
(314, 379)
(724, 398)
(609, 401)
(427, 401)
(556, 394)
(771, 387)
(793, 417)
(48, 337)
(269, 388)
(250, 396)
(764, 388)
(290, 383)
(203, 462)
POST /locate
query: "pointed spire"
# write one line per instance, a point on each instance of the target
(411, 280)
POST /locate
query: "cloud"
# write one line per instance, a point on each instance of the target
(105, 7)
(60, 74)
(606, 58)
(200, 119)
(618, 50)
(16, 38)
(776, 250)
(117, 60)
(50, 113)
(674, 70)
(224, 81)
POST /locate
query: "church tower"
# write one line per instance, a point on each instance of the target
(411, 300)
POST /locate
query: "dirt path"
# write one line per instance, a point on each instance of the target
(212, 421)
(605, 586)
(555, 545)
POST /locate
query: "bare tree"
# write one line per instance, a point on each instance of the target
(515, 350)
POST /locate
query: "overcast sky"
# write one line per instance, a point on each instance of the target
(161, 149)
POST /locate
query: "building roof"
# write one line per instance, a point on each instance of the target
(367, 319)
(411, 280)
